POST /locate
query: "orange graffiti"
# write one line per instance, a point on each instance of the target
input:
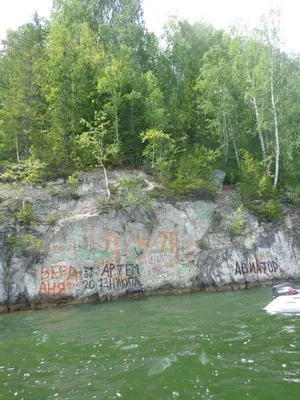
(58, 272)
(112, 237)
(173, 240)
(56, 279)
(170, 240)
(165, 236)
(141, 241)
(111, 243)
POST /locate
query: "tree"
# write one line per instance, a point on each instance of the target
(69, 80)
(154, 102)
(23, 105)
(93, 148)
(220, 98)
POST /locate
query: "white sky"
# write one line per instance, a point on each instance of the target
(220, 13)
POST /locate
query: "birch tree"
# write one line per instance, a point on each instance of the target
(95, 148)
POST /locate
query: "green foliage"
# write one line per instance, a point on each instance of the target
(160, 153)
(31, 171)
(203, 244)
(77, 91)
(193, 175)
(27, 245)
(159, 146)
(291, 195)
(237, 223)
(181, 174)
(71, 186)
(12, 242)
(25, 216)
(94, 147)
(131, 193)
(51, 220)
(51, 190)
(269, 211)
(157, 194)
(103, 203)
(216, 220)
(128, 191)
(257, 190)
(32, 244)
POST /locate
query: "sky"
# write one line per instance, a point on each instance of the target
(220, 13)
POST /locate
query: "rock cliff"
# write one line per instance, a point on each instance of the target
(86, 254)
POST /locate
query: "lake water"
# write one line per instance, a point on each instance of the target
(197, 346)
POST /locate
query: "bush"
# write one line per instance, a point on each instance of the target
(31, 171)
(193, 175)
(237, 222)
(12, 241)
(25, 216)
(130, 193)
(51, 220)
(203, 244)
(291, 195)
(51, 190)
(71, 186)
(103, 202)
(32, 244)
(183, 174)
(268, 211)
(28, 244)
(257, 190)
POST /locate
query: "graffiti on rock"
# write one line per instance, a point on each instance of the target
(113, 263)
(256, 267)
(107, 242)
(119, 276)
(171, 239)
(57, 280)
(163, 257)
(163, 250)
(88, 281)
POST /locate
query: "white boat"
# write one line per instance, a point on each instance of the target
(286, 299)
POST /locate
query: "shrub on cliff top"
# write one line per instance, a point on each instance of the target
(31, 171)
(130, 193)
(237, 223)
(193, 175)
(257, 191)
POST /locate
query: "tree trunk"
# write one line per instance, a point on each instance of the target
(225, 136)
(236, 154)
(104, 170)
(277, 145)
(260, 134)
(106, 180)
(27, 128)
(116, 117)
(17, 148)
(254, 103)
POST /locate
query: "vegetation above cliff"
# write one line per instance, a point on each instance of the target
(91, 87)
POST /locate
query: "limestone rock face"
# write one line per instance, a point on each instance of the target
(91, 255)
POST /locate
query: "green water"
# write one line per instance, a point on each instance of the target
(198, 346)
